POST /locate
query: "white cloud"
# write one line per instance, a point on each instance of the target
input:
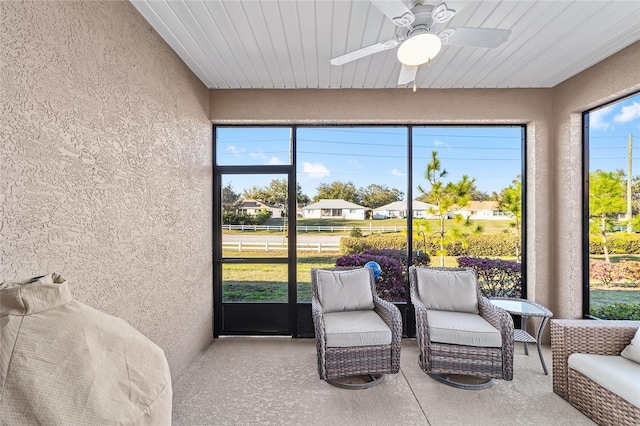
(232, 149)
(275, 160)
(267, 159)
(440, 143)
(599, 120)
(397, 172)
(315, 170)
(628, 113)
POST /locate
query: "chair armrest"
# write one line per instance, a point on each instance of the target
(422, 321)
(317, 314)
(318, 319)
(390, 314)
(588, 337)
(422, 329)
(501, 320)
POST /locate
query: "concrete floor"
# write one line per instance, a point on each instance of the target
(274, 380)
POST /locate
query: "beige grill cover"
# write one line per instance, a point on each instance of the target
(65, 363)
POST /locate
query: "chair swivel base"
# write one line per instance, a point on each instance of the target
(475, 383)
(357, 382)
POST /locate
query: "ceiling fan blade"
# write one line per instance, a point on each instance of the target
(395, 10)
(475, 37)
(407, 74)
(365, 51)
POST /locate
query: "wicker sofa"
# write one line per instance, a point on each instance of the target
(583, 392)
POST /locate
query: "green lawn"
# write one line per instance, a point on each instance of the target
(599, 298)
(615, 258)
(268, 283)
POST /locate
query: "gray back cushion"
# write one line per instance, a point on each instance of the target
(344, 290)
(448, 290)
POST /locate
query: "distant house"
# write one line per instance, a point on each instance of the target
(421, 210)
(484, 210)
(333, 209)
(253, 207)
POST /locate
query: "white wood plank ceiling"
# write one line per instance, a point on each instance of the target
(288, 44)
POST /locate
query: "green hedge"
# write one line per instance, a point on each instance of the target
(618, 311)
(350, 245)
(482, 245)
(619, 243)
(479, 245)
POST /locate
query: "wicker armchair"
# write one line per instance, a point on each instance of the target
(597, 338)
(349, 347)
(446, 356)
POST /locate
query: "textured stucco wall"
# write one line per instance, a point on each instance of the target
(106, 167)
(611, 79)
(532, 107)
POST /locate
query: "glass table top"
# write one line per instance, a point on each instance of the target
(520, 306)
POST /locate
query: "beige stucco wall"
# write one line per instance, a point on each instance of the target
(611, 79)
(105, 172)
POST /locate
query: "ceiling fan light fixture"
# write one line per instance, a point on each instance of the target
(419, 49)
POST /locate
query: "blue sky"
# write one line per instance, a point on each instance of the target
(366, 155)
(609, 130)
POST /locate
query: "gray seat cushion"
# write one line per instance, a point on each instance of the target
(615, 373)
(356, 328)
(462, 328)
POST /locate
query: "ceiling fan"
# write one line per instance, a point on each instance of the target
(420, 33)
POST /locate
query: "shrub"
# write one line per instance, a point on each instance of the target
(350, 245)
(392, 283)
(618, 311)
(618, 243)
(478, 245)
(496, 277)
(419, 258)
(355, 232)
(606, 272)
(631, 271)
(230, 218)
(494, 245)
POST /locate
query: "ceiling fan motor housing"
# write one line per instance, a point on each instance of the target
(423, 23)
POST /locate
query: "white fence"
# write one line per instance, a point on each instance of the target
(311, 228)
(266, 246)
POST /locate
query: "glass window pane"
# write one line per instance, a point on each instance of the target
(614, 204)
(345, 174)
(253, 216)
(251, 146)
(254, 283)
(468, 196)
